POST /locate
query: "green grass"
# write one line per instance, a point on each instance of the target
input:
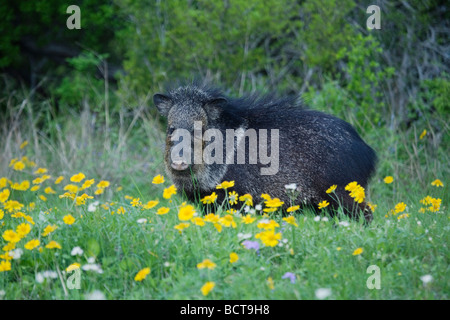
(129, 155)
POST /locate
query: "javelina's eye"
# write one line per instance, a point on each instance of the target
(170, 130)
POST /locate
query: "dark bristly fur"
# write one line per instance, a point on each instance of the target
(316, 150)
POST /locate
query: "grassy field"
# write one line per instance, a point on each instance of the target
(122, 245)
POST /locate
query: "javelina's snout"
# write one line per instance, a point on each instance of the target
(179, 165)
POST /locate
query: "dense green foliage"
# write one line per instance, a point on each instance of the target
(82, 100)
(242, 46)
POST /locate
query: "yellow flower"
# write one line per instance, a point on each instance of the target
(67, 195)
(227, 221)
(388, 179)
(59, 179)
(323, 204)
(180, 227)
(53, 245)
(12, 205)
(77, 177)
(30, 245)
(207, 263)
(150, 204)
(225, 185)
(11, 163)
(40, 171)
(80, 200)
(11, 236)
(435, 204)
(87, 184)
(267, 224)
(5, 266)
(42, 197)
(3, 182)
(207, 287)
(136, 202)
(437, 183)
(270, 283)
(423, 134)
(6, 256)
(211, 217)
(23, 144)
(23, 186)
(198, 221)
(19, 166)
(233, 197)
(400, 207)
(273, 203)
(269, 238)
(248, 219)
(186, 212)
(331, 189)
(266, 197)
(352, 186)
(291, 220)
(38, 180)
(142, 274)
(209, 199)
(29, 219)
(23, 229)
(49, 229)
(248, 199)
(357, 252)
(162, 210)
(4, 195)
(158, 179)
(169, 192)
(71, 188)
(218, 227)
(9, 246)
(233, 257)
(1, 214)
(293, 208)
(405, 215)
(69, 219)
(103, 184)
(372, 206)
(99, 191)
(339, 248)
(121, 210)
(49, 190)
(358, 194)
(73, 266)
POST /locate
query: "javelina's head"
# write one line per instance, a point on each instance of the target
(190, 111)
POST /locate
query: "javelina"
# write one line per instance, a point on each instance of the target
(307, 148)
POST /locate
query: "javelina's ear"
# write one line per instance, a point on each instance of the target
(163, 103)
(214, 107)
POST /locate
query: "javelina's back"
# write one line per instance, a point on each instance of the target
(315, 150)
